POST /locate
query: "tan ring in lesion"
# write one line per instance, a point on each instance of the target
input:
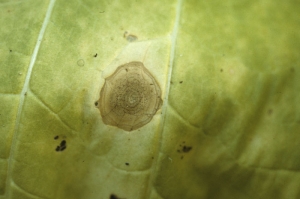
(130, 97)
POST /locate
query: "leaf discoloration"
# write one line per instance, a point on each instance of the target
(130, 97)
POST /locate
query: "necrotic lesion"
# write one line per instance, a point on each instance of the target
(132, 91)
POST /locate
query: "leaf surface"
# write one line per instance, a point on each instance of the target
(229, 123)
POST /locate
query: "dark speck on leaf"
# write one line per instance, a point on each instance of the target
(270, 111)
(96, 103)
(113, 196)
(57, 148)
(10, 50)
(56, 137)
(131, 38)
(221, 70)
(63, 148)
(186, 149)
(127, 163)
(96, 55)
(181, 82)
(63, 143)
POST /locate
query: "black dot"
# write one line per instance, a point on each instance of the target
(96, 103)
(96, 55)
(56, 137)
(63, 143)
(181, 82)
(113, 196)
(186, 149)
(63, 148)
(57, 148)
(127, 163)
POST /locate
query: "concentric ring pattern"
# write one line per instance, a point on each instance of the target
(130, 97)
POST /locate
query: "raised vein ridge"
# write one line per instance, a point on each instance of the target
(22, 95)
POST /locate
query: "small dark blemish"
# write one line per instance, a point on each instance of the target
(151, 84)
(181, 157)
(152, 158)
(127, 164)
(96, 103)
(126, 69)
(57, 148)
(113, 196)
(10, 50)
(270, 111)
(63, 143)
(171, 82)
(221, 70)
(186, 149)
(292, 69)
(63, 148)
(25, 93)
(111, 38)
(180, 82)
(56, 137)
(102, 12)
(96, 55)
(131, 38)
(178, 151)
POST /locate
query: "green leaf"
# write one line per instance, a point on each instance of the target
(230, 119)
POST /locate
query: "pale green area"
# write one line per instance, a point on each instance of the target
(238, 105)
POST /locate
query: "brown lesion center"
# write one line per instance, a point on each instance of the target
(130, 97)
